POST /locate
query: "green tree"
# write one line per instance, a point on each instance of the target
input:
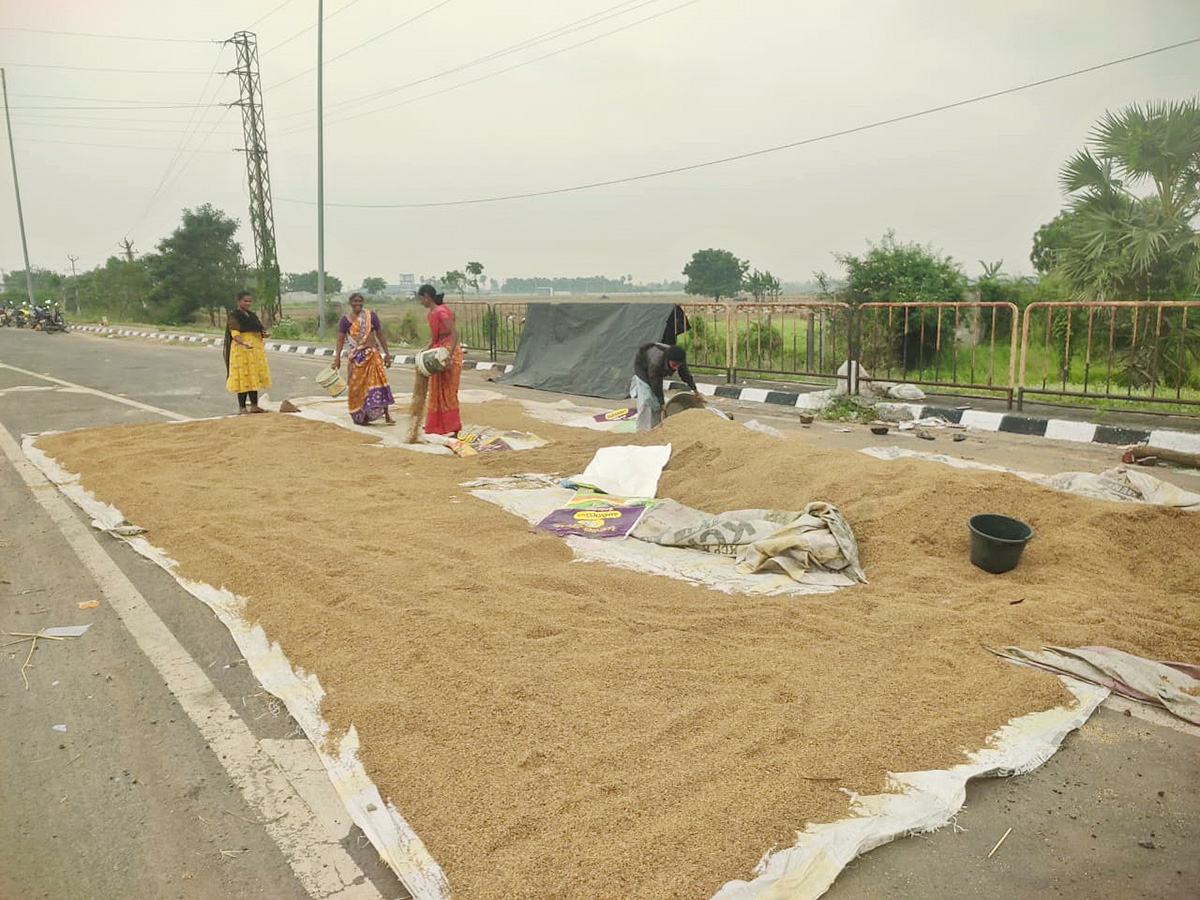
(763, 285)
(374, 285)
(893, 272)
(714, 273)
(474, 271)
(121, 287)
(454, 280)
(48, 287)
(198, 267)
(1050, 240)
(307, 282)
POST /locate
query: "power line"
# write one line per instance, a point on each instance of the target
(763, 152)
(195, 151)
(519, 65)
(115, 37)
(100, 69)
(25, 140)
(79, 120)
(189, 133)
(80, 99)
(96, 128)
(268, 15)
(369, 40)
(123, 108)
(307, 29)
(578, 25)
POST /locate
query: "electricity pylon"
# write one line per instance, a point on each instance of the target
(258, 179)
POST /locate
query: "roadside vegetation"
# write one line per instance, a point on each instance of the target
(1131, 198)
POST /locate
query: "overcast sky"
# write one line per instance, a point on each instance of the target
(699, 81)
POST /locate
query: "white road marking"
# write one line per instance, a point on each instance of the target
(84, 389)
(320, 863)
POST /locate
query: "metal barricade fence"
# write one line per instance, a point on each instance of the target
(706, 337)
(1134, 352)
(472, 320)
(794, 341)
(507, 319)
(967, 346)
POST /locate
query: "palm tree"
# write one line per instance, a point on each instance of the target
(1121, 245)
(475, 269)
(1126, 246)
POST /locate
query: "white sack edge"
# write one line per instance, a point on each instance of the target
(929, 801)
(392, 836)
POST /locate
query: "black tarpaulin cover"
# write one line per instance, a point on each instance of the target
(585, 348)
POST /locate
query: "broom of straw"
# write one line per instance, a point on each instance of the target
(417, 408)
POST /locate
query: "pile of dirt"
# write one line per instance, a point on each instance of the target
(552, 728)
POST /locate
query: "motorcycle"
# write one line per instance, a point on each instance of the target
(20, 317)
(48, 320)
(6, 318)
(55, 322)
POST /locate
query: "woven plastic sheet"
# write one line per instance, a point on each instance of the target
(684, 564)
(392, 836)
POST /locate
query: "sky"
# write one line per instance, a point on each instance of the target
(121, 120)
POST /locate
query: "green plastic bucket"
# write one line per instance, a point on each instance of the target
(997, 541)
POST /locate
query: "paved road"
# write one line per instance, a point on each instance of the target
(134, 764)
(142, 761)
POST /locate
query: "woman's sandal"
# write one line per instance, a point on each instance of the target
(257, 409)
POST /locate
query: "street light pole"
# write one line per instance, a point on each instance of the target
(320, 171)
(72, 258)
(16, 187)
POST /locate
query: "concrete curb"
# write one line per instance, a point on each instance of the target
(983, 420)
(274, 346)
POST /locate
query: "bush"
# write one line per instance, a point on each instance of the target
(905, 273)
(761, 342)
(286, 329)
(406, 332)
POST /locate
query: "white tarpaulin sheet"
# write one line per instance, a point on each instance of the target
(1156, 683)
(926, 801)
(1119, 483)
(626, 471)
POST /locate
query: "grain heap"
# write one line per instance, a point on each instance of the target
(554, 729)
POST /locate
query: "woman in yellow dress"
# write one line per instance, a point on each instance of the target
(245, 356)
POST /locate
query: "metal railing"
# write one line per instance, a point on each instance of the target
(1133, 352)
(791, 340)
(509, 320)
(707, 338)
(969, 346)
(473, 321)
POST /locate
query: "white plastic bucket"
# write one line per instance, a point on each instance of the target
(432, 360)
(332, 380)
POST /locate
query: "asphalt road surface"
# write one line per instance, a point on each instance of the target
(144, 760)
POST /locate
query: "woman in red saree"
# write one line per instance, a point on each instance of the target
(442, 415)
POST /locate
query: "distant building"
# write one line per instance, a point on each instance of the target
(407, 281)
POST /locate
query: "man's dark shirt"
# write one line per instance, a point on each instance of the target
(650, 365)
